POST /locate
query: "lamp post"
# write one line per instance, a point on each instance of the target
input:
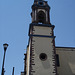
(5, 48)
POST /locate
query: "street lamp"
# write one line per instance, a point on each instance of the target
(5, 48)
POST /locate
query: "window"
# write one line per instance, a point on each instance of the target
(57, 60)
(43, 56)
(41, 16)
(40, 3)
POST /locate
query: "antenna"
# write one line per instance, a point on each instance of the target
(13, 71)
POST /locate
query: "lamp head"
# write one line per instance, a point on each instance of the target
(5, 46)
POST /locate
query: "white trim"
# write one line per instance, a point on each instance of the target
(28, 60)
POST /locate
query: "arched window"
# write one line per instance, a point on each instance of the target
(41, 17)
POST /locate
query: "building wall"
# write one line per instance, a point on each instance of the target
(66, 60)
(42, 30)
(42, 44)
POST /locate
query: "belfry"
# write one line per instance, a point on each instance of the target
(42, 56)
(40, 12)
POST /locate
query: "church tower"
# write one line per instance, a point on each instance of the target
(41, 53)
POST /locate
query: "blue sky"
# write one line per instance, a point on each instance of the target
(14, 25)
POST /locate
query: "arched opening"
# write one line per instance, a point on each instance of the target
(41, 17)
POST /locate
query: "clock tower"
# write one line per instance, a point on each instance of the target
(41, 53)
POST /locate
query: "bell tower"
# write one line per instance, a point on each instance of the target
(40, 12)
(41, 54)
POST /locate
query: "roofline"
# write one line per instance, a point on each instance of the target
(64, 47)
